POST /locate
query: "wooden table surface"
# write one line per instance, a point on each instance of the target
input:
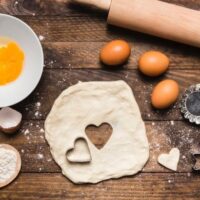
(72, 37)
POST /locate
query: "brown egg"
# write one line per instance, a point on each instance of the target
(115, 53)
(165, 94)
(153, 63)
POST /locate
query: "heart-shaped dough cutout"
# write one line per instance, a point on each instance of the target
(170, 160)
(80, 153)
(99, 135)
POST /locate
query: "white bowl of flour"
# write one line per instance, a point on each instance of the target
(10, 164)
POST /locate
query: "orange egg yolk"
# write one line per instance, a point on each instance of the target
(11, 62)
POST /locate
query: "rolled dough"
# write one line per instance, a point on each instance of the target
(127, 150)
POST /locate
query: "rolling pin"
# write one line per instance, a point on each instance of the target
(153, 17)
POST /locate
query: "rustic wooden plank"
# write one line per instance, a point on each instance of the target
(194, 4)
(88, 29)
(143, 186)
(69, 28)
(86, 55)
(162, 137)
(94, 29)
(45, 7)
(64, 37)
(62, 7)
(53, 82)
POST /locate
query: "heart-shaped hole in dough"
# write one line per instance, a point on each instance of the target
(80, 153)
(100, 135)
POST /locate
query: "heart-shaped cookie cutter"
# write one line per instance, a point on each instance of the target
(80, 153)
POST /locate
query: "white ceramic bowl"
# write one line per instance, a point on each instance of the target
(18, 31)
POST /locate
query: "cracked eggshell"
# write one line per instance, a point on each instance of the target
(10, 120)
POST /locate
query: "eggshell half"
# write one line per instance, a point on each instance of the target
(10, 120)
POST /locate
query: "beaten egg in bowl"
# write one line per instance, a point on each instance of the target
(11, 61)
(21, 60)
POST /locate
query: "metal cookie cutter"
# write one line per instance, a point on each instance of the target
(190, 104)
(196, 158)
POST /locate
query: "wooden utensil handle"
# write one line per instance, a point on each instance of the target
(157, 18)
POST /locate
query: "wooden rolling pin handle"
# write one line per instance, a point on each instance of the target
(157, 18)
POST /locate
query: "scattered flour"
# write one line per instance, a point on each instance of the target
(41, 37)
(8, 162)
(169, 181)
(38, 104)
(16, 3)
(36, 113)
(41, 130)
(26, 132)
(40, 156)
(183, 157)
(189, 174)
(49, 160)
